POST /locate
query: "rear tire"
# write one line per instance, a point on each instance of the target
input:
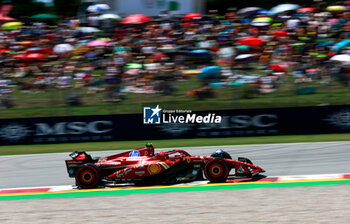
(216, 170)
(88, 176)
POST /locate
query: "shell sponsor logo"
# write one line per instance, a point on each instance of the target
(153, 169)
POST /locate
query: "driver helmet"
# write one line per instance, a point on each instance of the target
(150, 149)
(221, 153)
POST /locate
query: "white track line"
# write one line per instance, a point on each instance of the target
(280, 178)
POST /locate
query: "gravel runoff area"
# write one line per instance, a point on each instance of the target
(314, 204)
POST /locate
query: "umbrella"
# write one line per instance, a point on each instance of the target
(340, 45)
(46, 51)
(243, 48)
(88, 29)
(11, 25)
(262, 12)
(98, 8)
(133, 71)
(191, 72)
(200, 54)
(43, 16)
(98, 43)
(325, 44)
(22, 57)
(297, 44)
(104, 38)
(251, 41)
(261, 21)
(5, 50)
(248, 10)
(277, 68)
(190, 16)
(91, 54)
(133, 66)
(7, 18)
(199, 51)
(336, 8)
(282, 8)
(136, 19)
(62, 48)
(49, 36)
(26, 43)
(226, 51)
(109, 16)
(209, 71)
(159, 56)
(33, 50)
(280, 33)
(311, 70)
(245, 20)
(341, 58)
(243, 56)
(306, 10)
(36, 56)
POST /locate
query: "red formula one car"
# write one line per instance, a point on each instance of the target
(144, 167)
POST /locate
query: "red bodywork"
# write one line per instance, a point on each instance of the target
(144, 164)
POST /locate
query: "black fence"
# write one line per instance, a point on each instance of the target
(254, 122)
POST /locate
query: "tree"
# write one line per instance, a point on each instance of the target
(66, 8)
(223, 5)
(23, 8)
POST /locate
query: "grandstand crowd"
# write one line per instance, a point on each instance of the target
(251, 46)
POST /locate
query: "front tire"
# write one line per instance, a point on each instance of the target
(216, 170)
(88, 176)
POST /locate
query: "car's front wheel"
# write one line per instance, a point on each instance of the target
(216, 170)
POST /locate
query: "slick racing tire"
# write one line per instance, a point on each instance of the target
(216, 170)
(88, 176)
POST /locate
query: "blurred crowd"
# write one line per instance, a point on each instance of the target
(140, 54)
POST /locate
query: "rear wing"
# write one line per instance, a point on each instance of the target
(80, 155)
(78, 159)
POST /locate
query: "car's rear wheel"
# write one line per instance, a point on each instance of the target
(216, 170)
(88, 176)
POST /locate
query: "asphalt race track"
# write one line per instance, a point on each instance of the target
(276, 159)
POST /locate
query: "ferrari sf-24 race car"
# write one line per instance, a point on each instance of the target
(144, 167)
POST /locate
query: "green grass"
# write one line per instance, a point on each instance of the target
(52, 102)
(177, 143)
(169, 189)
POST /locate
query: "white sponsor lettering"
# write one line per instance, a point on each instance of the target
(74, 128)
(262, 120)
